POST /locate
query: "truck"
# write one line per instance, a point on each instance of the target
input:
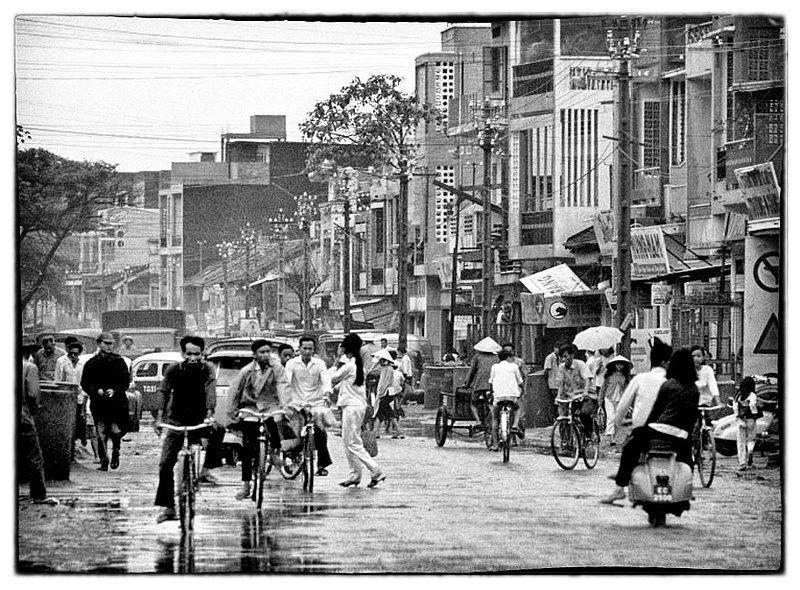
(152, 330)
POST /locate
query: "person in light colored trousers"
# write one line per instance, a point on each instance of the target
(353, 402)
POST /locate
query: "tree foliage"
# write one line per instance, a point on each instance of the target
(57, 198)
(367, 123)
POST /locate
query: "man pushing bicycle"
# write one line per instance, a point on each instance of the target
(189, 395)
(310, 385)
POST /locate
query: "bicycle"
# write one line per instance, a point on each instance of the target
(304, 457)
(261, 463)
(568, 439)
(187, 484)
(704, 452)
(504, 426)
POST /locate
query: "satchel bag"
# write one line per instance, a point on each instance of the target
(370, 442)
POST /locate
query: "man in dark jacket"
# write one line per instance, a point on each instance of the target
(189, 396)
(29, 449)
(105, 379)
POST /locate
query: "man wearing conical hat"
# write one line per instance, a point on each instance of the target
(479, 372)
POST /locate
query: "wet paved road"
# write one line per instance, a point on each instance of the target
(451, 509)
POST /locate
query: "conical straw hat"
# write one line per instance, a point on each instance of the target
(488, 345)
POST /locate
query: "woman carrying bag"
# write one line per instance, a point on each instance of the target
(353, 402)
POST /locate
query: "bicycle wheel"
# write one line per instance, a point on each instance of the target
(591, 447)
(504, 435)
(261, 474)
(564, 444)
(440, 427)
(292, 467)
(186, 495)
(706, 458)
(309, 461)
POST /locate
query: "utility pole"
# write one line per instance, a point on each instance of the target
(488, 254)
(305, 205)
(624, 50)
(455, 209)
(402, 254)
(346, 265)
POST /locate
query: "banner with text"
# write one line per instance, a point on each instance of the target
(648, 252)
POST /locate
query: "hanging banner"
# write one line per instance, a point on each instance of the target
(660, 294)
(648, 252)
(641, 340)
(532, 308)
(759, 185)
(605, 231)
(554, 281)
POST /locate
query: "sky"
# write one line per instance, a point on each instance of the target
(142, 92)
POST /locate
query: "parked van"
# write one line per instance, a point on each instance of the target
(146, 374)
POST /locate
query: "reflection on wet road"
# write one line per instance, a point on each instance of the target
(455, 509)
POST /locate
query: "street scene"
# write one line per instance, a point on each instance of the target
(400, 296)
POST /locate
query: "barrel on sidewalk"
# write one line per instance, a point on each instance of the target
(540, 410)
(55, 425)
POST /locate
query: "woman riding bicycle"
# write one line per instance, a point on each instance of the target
(259, 386)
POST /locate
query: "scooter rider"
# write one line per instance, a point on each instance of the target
(672, 419)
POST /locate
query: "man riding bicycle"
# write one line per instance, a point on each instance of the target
(259, 386)
(574, 377)
(309, 384)
(189, 395)
(505, 380)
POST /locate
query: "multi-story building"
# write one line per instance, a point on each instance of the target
(454, 81)
(209, 202)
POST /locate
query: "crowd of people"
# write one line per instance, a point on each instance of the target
(369, 388)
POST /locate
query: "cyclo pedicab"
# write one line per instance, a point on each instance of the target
(455, 406)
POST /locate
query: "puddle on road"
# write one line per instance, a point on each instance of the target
(279, 538)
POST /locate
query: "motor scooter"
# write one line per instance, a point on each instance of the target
(725, 428)
(661, 484)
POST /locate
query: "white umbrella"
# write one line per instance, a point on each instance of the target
(597, 338)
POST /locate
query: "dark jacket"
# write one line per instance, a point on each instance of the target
(107, 371)
(480, 370)
(29, 402)
(676, 405)
(187, 392)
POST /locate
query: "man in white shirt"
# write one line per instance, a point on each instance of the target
(505, 380)
(310, 385)
(643, 388)
(407, 368)
(551, 362)
(69, 369)
(641, 394)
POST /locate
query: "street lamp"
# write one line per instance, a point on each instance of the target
(248, 237)
(279, 228)
(306, 208)
(226, 251)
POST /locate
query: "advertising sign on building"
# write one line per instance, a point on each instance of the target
(554, 281)
(699, 289)
(605, 231)
(759, 185)
(648, 252)
(571, 312)
(641, 344)
(660, 294)
(532, 308)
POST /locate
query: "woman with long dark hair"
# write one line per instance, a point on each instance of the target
(672, 419)
(353, 402)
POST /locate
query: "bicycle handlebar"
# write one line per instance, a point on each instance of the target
(175, 428)
(565, 402)
(259, 415)
(709, 408)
